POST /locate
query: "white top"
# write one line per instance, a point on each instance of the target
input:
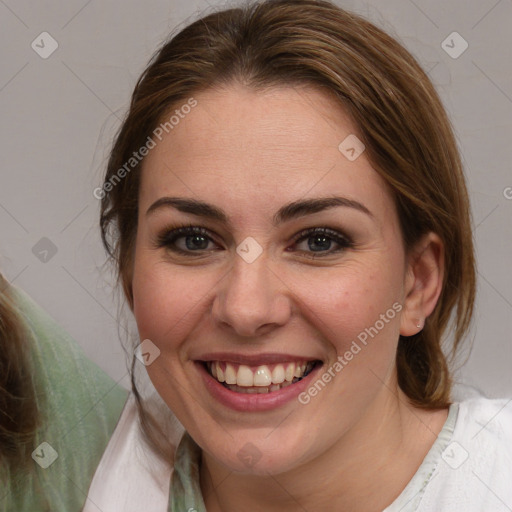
(468, 469)
(130, 476)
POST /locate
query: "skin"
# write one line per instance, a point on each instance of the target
(356, 444)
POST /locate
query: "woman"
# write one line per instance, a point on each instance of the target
(57, 410)
(287, 210)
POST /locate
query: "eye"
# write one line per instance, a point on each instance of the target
(320, 241)
(195, 239)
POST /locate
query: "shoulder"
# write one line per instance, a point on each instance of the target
(79, 405)
(72, 387)
(475, 468)
(490, 416)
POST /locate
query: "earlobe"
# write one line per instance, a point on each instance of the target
(423, 283)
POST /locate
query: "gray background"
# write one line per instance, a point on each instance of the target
(59, 115)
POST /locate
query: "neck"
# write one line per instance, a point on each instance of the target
(363, 471)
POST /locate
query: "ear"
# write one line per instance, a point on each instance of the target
(423, 283)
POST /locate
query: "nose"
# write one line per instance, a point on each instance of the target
(251, 299)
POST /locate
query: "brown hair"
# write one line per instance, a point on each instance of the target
(405, 129)
(19, 414)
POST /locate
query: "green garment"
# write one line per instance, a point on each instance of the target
(80, 405)
(185, 491)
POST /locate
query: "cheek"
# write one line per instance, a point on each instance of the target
(352, 301)
(360, 319)
(168, 302)
(162, 312)
(157, 298)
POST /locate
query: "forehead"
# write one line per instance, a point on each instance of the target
(263, 147)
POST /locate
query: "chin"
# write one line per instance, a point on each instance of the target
(260, 455)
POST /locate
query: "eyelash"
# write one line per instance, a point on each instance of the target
(169, 236)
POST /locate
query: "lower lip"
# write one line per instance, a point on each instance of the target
(251, 402)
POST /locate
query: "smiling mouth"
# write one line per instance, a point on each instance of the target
(266, 378)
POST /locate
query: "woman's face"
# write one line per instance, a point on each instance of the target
(252, 297)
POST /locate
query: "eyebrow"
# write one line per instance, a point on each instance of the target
(286, 213)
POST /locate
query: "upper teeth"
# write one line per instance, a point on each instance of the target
(264, 375)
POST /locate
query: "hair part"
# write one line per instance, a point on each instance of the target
(19, 413)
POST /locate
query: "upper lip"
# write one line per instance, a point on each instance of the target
(253, 359)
